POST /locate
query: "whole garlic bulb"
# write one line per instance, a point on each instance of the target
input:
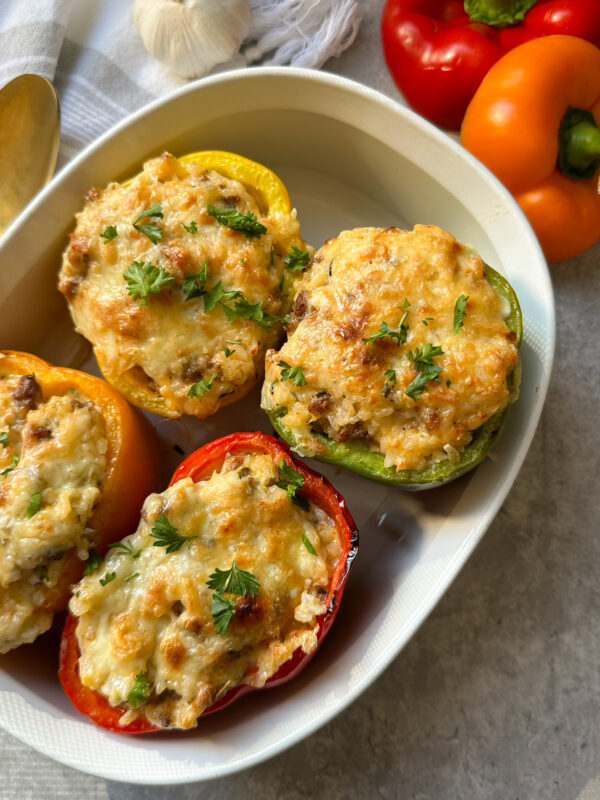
(192, 36)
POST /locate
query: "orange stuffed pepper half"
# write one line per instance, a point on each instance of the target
(76, 462)
(229, 584)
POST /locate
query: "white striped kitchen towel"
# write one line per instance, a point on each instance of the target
(92, 52)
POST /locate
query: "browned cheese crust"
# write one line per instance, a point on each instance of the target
(355, 386)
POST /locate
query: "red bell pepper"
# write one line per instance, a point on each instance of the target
(438, 51)
(199, 466)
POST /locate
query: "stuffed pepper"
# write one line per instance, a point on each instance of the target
(230, 582)
(401, 358)
(76, 462)
(180, 278)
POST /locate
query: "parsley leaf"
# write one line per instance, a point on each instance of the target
(460, 312)
(252, 311)
(42, 572)
(167, 536)
(227, 351)
(132, 576)
(93, 562)
(108, 577)
(14, 462)
(139, 690)
(405, 304)
(294, 374)
(35, 503)
(390, 375)
(289, 478)
(222, 611)
(216, 294)
(384, 330)
(193, 285)
(144, 279)
(233, 581)
(296, 260)
(308, 544)
(125, 549)
(109, 233)
(426, 369)
(151, 230)
(201, 387)
(192, 227)
(234, 219)
(4, 439)
(426, 355)
(426, 321)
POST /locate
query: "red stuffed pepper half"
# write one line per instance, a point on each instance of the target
(229, 584)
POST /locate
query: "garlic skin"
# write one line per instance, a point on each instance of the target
(192, 36)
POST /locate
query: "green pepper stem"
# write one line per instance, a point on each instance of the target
(498, 13)
(579, 144)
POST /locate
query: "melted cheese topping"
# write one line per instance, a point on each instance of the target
(172, 343)
(155, 617)
(355, 283)
(51, 468)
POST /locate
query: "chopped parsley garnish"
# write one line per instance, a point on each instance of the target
(144, 279)
(167, 536)
(35, 503)
(201, 387)
(216, 294)
(125, 549)
(151, 230)
(108, 577)
(384, 330)
(460, 312)
(42, 572)
(192, 227)
(222, 611)
(289, 478)
(426, 369)
(296, 260)
(427, 320)
(132, 576)
(139, 690)
(93, 562)
(390, 375)
(289, 373)
(227, 351)
(14, 462)
(253, 311)
(448, 382)
(193, 285)
(426, 355)
(234, 219)
(109, 233)
(307, 543)
(233, 581)
(405, 304)
(230, 581)
(4, 438)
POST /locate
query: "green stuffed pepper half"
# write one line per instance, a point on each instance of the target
(402, 357)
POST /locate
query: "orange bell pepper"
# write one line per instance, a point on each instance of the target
(534, 123)
(131, 459)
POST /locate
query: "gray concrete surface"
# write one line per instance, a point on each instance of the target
(498, 694)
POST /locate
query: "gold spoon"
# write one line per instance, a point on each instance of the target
(29, 136)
